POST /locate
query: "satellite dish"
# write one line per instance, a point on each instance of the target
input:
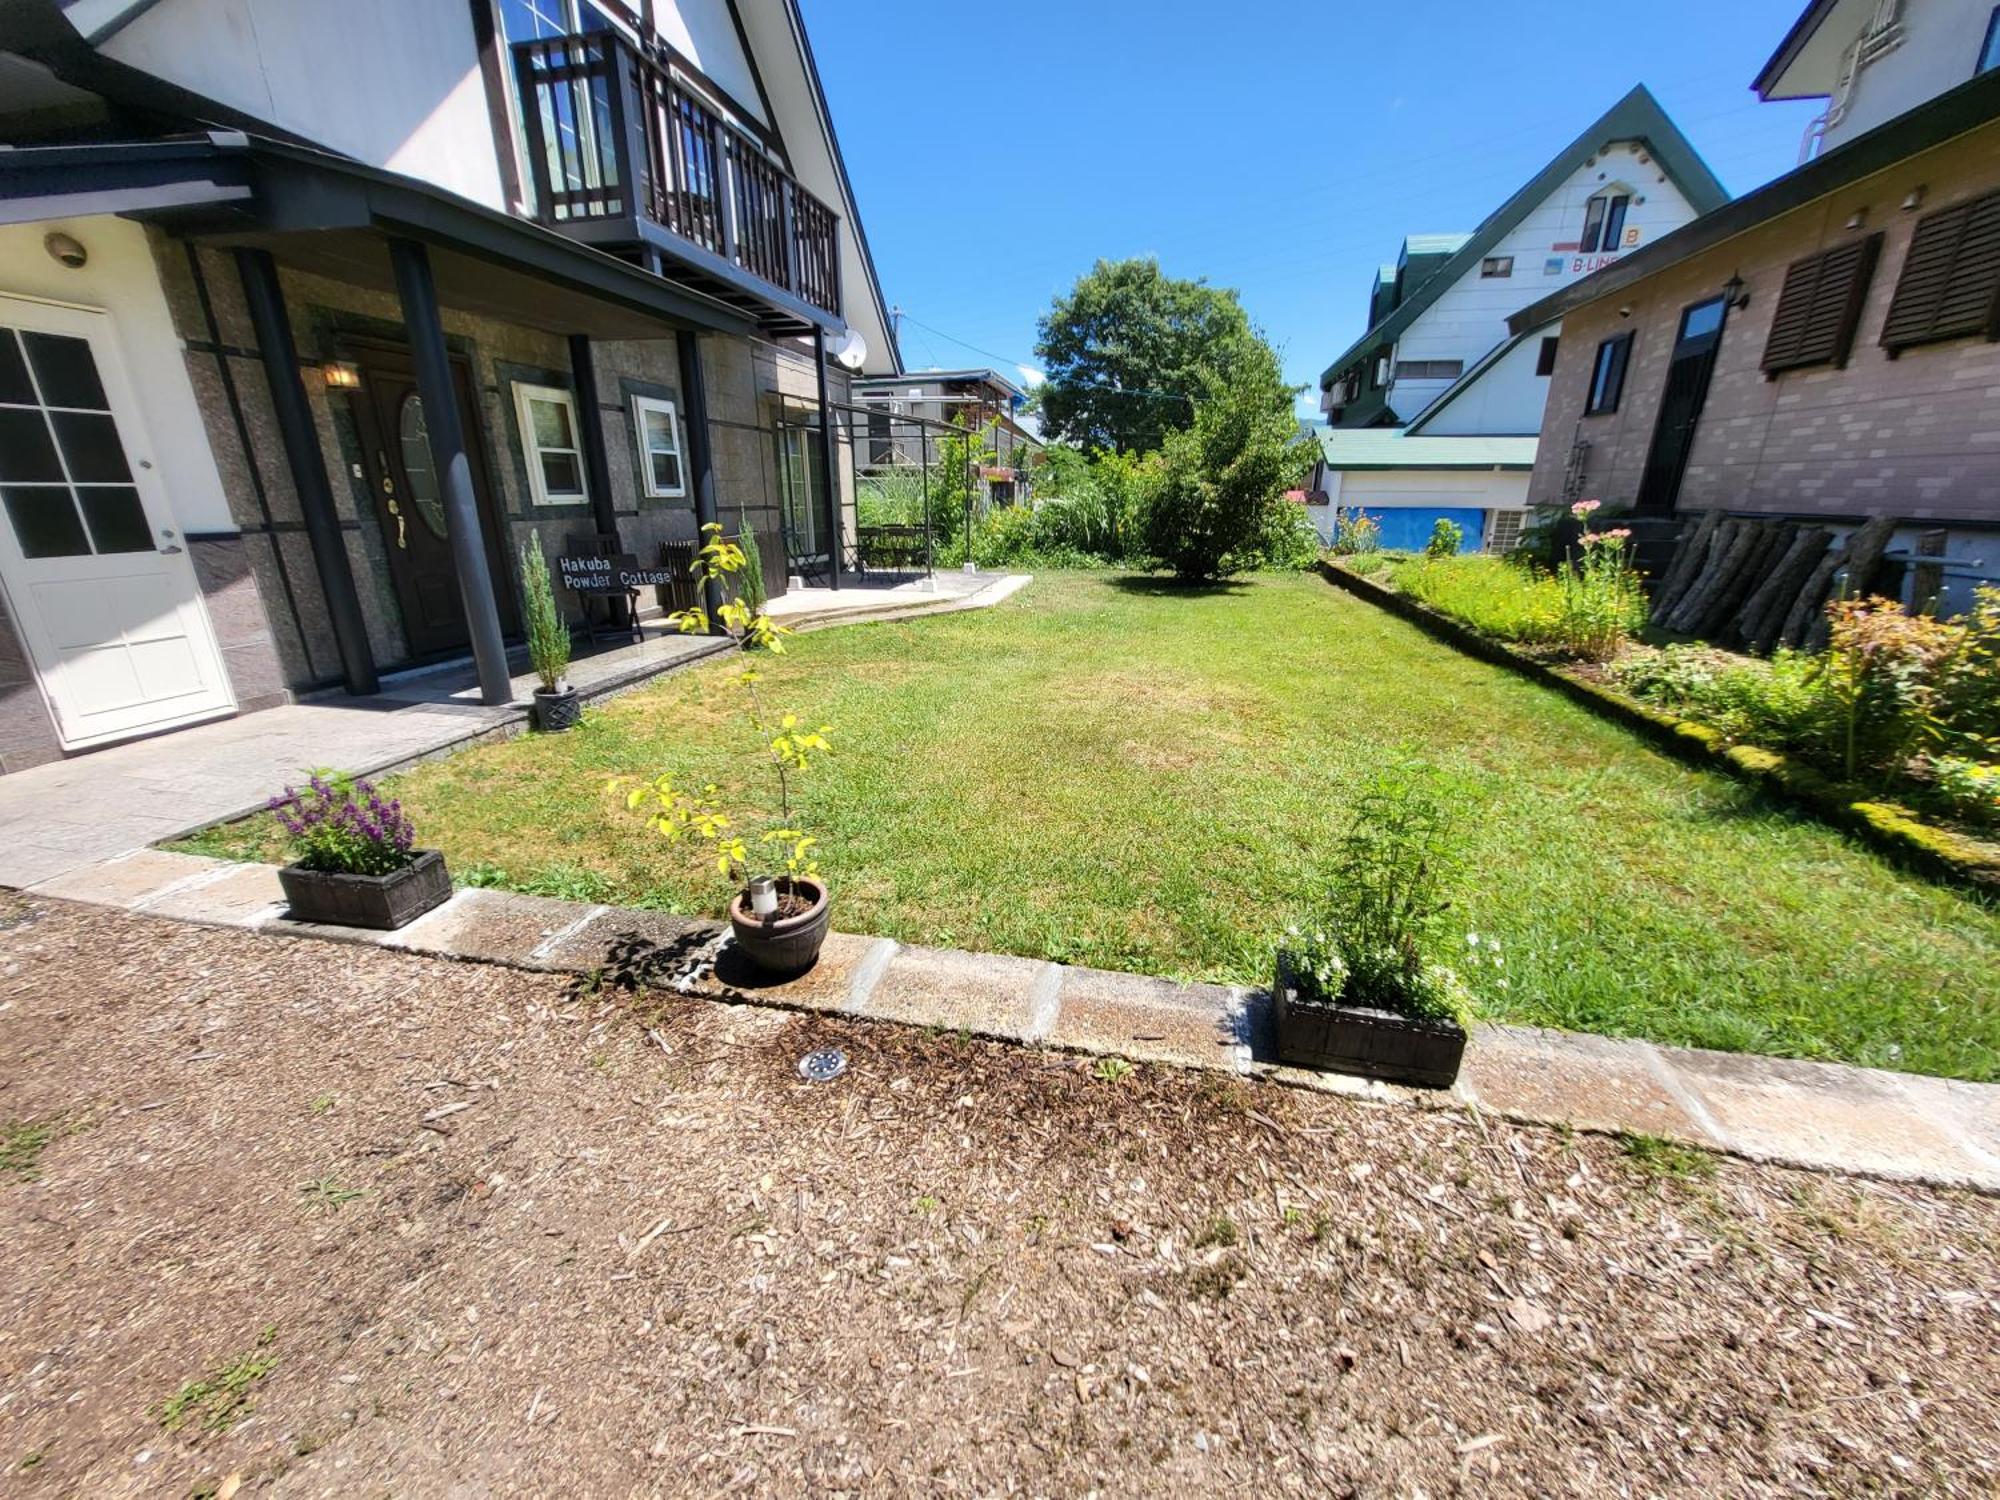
(850, 350)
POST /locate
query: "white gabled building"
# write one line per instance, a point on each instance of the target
(1438, 362)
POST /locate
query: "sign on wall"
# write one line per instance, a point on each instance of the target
(617, 574)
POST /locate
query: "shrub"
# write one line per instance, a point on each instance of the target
(341, 825)
(1778, 704)
(1883, 670)
(1970, 788)
(548, 636)
(1388, 891)
(1356, 533)
(1291, 541)
(1220, 478)
(1968, 703)
(754, 594)
(1447, 537)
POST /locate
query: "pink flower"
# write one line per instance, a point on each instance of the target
(1582, 509)
(1619, 533)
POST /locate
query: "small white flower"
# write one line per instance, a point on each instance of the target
(1472, 940)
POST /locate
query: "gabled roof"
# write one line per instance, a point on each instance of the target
(1954, 113)
(1374, 448)
(1433, 244)
(1789, 50)
(1637, 116)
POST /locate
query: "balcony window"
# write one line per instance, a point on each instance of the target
(657, 427)
(550, 444)
(1604, 222)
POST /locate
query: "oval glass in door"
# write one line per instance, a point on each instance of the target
(415, 440)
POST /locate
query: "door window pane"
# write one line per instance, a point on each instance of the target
(65, 371)
(27, 454)
(45, 521)
(117, 519)
(13, 370)
(90, 447)
(1699, 322)
(414, 439)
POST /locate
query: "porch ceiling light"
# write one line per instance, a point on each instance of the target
(341, 375)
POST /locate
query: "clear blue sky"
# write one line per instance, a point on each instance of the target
(1280, 147)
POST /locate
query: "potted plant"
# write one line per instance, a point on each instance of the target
(353, 860)
(780, 913)
(1356, 989)
(556, 705)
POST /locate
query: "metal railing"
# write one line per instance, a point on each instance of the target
(614, 132)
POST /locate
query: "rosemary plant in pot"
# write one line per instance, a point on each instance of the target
(556, 704)
(354, 860)
(781, 909)
(1358, 990)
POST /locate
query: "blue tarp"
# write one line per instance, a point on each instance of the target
(1408, 528)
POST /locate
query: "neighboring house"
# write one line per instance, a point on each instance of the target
(1822, 350)
(1438, 362)
(310, 314)
(1408, 484)
(974, 399)
(1871, 60)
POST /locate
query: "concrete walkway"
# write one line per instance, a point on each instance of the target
(72, 813)
(1818, 1115)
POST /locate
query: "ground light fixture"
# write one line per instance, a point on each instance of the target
(823, 1066)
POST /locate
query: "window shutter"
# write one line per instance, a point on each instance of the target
(1950, 286)
(1820, 307)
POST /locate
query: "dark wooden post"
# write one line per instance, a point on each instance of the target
(266, 300)
(418, 294)
(700, 460)
(596, 462)
(829, 490)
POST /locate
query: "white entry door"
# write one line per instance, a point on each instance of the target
(98, 580)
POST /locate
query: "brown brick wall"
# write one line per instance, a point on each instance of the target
(1917, 436)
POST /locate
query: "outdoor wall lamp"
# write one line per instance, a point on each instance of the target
(1733, 293)
(341, 375)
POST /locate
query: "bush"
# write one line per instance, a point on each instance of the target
(1970, 788)
(1221, 477)
(1777, 704)
(1447, 538)
(1291, 541)
(1602, 602)
(1968, 698)
(1883, 670)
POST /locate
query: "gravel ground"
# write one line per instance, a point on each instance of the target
(331, 1220)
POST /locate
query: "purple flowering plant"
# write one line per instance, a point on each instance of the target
(342, 825)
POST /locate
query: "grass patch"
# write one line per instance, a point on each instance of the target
(220, 1399)
(1113, 772)
(21, 1144)
(1503, 599)
(1655, 1156)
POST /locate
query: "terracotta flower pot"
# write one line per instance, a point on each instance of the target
(783, 945)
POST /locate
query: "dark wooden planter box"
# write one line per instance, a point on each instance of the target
(380, 901)
(1373, 1043)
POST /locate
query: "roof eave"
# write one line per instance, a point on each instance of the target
(1788, 51)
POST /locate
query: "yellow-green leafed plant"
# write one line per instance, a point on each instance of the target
(790, 744)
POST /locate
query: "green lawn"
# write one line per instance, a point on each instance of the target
(1111, 772)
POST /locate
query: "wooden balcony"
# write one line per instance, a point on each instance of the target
(625, 155)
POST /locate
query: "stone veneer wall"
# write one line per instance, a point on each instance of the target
(270, 559)
(1916, 437)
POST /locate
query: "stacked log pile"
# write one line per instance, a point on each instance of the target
(1756, 585)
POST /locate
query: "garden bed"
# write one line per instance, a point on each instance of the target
(1949, 853)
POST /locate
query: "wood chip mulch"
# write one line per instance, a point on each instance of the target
(322, 1219)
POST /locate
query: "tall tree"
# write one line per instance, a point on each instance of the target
(1126, 351)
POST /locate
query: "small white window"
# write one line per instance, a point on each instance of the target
(552, 447)
(657, 427)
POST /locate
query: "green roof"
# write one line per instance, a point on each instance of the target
(1637, 116)
(1434, 244)
(1388, 448)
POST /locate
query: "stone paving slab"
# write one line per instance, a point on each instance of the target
(1825, 1116)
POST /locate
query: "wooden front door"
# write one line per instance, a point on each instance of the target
(1680, 405)
(409, 503)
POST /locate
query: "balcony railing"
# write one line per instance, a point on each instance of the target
(614, 136)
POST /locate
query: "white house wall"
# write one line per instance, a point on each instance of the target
(394, 83)
(1420, 489)
(1506, 400)
(1939, 50)
(702, 32)
(1470, 317)
(120, 279)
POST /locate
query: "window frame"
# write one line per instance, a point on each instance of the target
(1989, 49)
(1607, 374)
(642, 440)
(1496, 267)
(1427, 369)
(525, 393)
(1547, 354)
(1604, 216)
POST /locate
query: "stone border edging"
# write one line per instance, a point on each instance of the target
(1820, 1116)
(1889, 829)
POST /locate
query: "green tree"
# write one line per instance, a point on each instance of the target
(1125, 353)
(1223, 478)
